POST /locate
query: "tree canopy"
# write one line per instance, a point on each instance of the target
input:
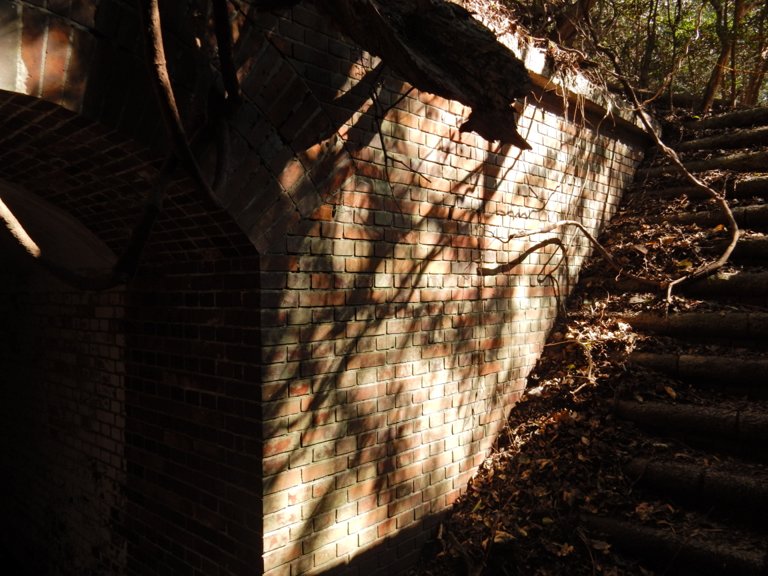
(694, 53)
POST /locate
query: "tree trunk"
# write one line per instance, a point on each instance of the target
(715, 79)
(650, 46)
(752, 93)
(728, 40)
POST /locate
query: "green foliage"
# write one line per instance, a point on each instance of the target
(666, 45)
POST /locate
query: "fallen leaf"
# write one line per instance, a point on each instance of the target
(565, 550)
(601, 546)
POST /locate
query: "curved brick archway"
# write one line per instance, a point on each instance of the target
(115, 404)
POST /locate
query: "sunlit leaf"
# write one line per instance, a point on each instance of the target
(600, 546)
(501, 537)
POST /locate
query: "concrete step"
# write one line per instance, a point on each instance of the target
(736, 429)
(741, 492)
(732, 325)
(703, 553)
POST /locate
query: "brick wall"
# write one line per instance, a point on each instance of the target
(309, 376)
(63, 425)
(193, 428)
(389, 361)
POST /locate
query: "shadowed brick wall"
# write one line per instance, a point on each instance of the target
(305, 379)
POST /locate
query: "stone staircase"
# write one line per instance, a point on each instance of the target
(710, 355)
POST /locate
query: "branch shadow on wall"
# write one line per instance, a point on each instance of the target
(364, 417)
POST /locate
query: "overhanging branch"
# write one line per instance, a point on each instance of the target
(438, 47)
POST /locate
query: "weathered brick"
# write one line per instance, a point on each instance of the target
(339, 362)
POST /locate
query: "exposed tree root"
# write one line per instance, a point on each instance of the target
(223, 31)
(126, 265)
(438, 46)
(600, 248)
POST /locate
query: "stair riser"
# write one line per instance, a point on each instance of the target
(676, 554)
(737, 432)
(738, 376)
(717, 492)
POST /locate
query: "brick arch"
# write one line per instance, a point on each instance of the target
(102, 179)
(87, 58)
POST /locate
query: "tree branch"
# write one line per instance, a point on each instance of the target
(730, 221)
(600, 248)
(153, 37)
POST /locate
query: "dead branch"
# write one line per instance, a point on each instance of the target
(150, 15)
(511, 265)
(600, 248)
(722, 203)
